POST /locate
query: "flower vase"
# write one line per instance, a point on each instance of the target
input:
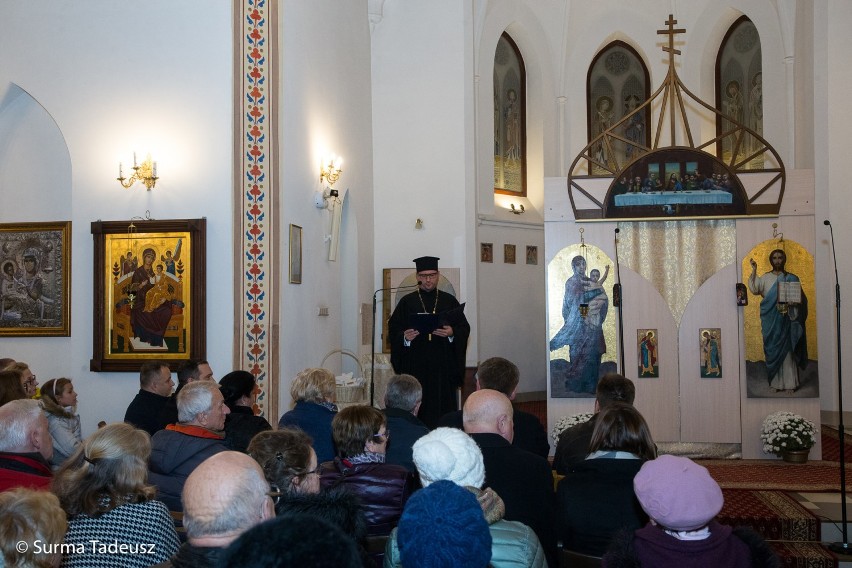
(796, 456)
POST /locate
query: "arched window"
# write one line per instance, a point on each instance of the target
(617, 84)
(739, 90)
(510, 128)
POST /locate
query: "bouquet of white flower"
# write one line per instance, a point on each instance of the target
(567, 422)
(784, 431)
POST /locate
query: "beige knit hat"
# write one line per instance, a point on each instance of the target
(449, 453)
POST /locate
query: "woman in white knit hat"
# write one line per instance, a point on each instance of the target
(450, 454)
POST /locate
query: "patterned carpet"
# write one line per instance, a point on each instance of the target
(793, 532)
(773, 514)
(830, 439)
(776, 474)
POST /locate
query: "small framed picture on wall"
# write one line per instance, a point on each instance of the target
(509, 254)
(532, 255)
(486, 252)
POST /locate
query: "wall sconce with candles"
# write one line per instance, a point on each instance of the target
(146, 172)
(520, 209)
(330, 170)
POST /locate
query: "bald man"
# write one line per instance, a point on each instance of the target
(523, 479)
(222, 498)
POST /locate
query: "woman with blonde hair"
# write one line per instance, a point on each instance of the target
(27, 515)
(59, 402)
(103, 489)
(313, 393)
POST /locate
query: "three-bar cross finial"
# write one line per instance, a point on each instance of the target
(671, 31)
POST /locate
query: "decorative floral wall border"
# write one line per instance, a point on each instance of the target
(256, 207)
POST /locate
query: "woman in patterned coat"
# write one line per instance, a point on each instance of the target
(113, 519)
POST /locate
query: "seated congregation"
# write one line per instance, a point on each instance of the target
(217, 486)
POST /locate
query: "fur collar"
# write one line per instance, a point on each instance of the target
(52, 408)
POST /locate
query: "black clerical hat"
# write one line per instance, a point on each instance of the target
(426, 263)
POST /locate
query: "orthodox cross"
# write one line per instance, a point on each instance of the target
(672, 76)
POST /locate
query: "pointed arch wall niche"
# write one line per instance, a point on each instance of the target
(510, 111)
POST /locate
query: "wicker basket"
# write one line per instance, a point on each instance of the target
(348, 394)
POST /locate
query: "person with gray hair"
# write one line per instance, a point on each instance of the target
(180, 448)
(214, 519)
(189, 371)
(25, 446)
(402, 402)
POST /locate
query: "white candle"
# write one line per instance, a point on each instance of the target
(134, 159)
(155, 169)
(120, 172)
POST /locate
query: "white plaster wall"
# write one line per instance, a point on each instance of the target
(511, 304)
(422, 125)
(325, 109)
(117, 79)
(832, 125)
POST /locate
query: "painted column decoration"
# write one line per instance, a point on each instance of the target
(256, 223)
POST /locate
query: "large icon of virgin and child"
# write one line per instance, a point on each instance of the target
(578, 349)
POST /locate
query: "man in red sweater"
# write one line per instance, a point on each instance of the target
(25, 446)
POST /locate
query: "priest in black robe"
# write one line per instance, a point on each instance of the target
(436, 357)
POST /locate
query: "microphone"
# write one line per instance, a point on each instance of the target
(833, 254)
(616, 301)
(373, 338)
(617, 230)
(395, 288)
(840, 547)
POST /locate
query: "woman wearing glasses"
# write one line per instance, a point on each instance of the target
(288, 461)
(290, 466)
(361, 436)
(28, 379)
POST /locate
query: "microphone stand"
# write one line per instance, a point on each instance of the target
(620, 302)
(839, 547)
(373, 341)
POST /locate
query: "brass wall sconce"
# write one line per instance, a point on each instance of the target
(520, 209)
(146, 172)
(330, 170)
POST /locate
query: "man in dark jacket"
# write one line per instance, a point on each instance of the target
(573, 445)
(502, 375)
(180, 448)
(156, 384)
(214, 519)
(523, 479)
(402, 401)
